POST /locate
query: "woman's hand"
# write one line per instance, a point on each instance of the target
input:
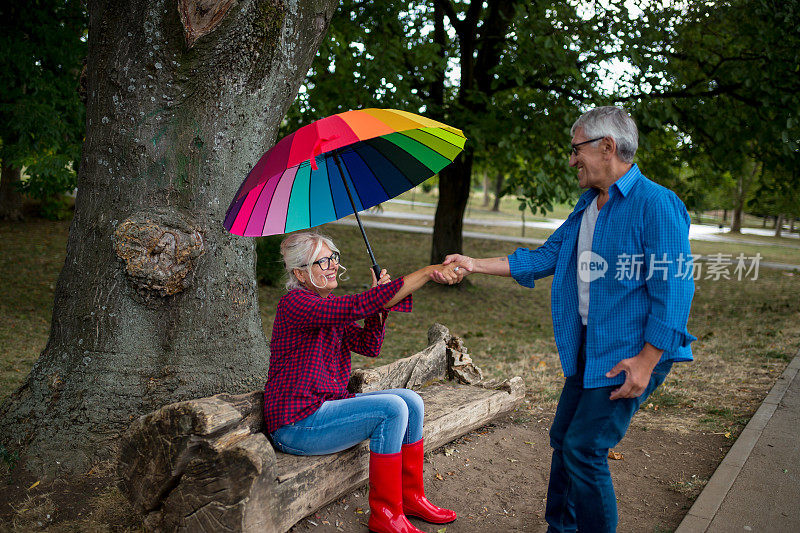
(385, 278)
(445, 274)
(458, 265)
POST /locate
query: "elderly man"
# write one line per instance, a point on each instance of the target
(622, 288)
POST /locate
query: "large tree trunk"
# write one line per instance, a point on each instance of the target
(156, 301)
(448, 223)
(10, 197)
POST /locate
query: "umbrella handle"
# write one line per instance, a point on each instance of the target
(375, 268)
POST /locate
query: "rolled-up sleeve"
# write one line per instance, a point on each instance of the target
(669, 281)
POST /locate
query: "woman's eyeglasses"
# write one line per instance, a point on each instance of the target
(326, 263)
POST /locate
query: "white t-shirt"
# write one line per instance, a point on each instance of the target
(585, 236)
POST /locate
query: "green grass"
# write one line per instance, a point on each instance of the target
(31, 258)
(747, 330)
(748, 220)
(775, 254)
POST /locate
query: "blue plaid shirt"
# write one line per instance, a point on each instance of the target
(642, 282)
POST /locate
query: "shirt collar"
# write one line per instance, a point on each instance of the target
(585, 199)
(313, 293)
(626, 182)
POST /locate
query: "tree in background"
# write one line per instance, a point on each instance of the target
(156, 302)
(777, 193)
(41, 115)
(511, 74)
(726, 75)
(713, 87)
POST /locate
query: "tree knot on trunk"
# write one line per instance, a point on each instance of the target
(201, 17)
(159, 252)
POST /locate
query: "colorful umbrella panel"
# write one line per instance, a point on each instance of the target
(378, 167)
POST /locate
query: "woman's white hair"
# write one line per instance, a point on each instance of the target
(299, 250)
(614, 122)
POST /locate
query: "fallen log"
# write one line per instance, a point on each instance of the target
(206, 464)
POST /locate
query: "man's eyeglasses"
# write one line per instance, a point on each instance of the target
(325, 262)
(575, 146)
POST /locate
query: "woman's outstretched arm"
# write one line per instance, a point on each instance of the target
(417, 279)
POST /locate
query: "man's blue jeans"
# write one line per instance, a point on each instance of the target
(587, 424)
(389, 418)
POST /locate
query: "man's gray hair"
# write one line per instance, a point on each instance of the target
(614, 122)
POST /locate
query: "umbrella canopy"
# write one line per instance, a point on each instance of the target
(338, 166)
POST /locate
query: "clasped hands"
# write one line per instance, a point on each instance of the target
(454, 269)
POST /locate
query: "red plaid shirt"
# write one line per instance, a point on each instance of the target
(312, 338)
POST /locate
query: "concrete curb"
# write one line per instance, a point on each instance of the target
(699, 517)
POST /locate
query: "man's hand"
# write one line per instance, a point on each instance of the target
(637, 372)
(461, 266)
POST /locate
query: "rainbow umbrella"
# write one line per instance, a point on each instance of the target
(338, 166)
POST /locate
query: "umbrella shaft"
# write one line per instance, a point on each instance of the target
(375, 267)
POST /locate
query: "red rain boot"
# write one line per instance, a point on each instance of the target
(385, 495)
(414, 501)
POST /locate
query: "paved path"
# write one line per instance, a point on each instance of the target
(410, 228)
(757, 485)
(699, 232)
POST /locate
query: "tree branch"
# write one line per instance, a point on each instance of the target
(684, 93)
(450, 11)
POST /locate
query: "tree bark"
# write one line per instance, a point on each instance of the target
(10, 197)
(448, 223)
(485, 189)
(779, 225)
(742, 188)
(156, 302)
(498, 191)
(736, 216)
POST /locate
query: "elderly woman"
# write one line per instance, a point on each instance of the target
(307, 407)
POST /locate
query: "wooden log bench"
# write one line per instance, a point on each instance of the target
(206, 465)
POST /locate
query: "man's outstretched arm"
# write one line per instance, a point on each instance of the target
(495, 266)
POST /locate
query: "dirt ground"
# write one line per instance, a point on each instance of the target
(495, 478)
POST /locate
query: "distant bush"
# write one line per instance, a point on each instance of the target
(269, 263)
(56, 207)
(430, 183)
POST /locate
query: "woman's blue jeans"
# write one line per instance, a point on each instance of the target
(580, 495)
(388, 418)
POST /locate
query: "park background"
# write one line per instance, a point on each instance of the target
(713, 86)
